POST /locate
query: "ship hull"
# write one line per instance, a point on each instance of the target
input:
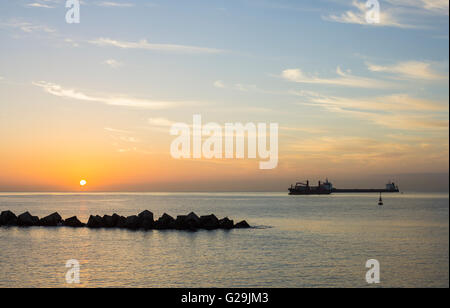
(307, 193)
(356, 190)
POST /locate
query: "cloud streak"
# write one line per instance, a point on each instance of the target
(115, 4)
(27, 27)
(113, 63)
(396, 102)
(409, 70)
(145, 45)
(112, 100)
(343, 79)
(399, 111)
(439, 7)
(40, 5)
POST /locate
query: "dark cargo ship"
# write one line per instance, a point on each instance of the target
(327, 188)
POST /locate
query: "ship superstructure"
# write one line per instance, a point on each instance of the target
(306, 189)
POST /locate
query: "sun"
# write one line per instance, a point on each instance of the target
(83, 182)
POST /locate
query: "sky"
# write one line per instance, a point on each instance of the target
(360, 103)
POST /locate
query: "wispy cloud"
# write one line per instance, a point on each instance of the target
(40, 5)
(346, 145)
(409, 70)
(219, 84)
(343, 79)
(113, 63)
(395, 102)
(434, 6)
(115, 4)
(244, 88)
(112, 100)
(160, 124)
(124, 141)
(144, 44)
(71, 42)
(46, 4)
(399, 111)
(368, 152)
(163, 122)
(411, 122)
(115, 130)
(27, 27)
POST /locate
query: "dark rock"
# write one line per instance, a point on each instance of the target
(146, 220)
(109, 221)
(142, 221)
(242, 225)
(73, 222)
(193, 217)
(226, 223)
(187, 222)
(52, 220)
(180, 222)
(132, 222)
(165, 222)
(146, 215)
(192, 221)
(8, 218)
(121, 221)
(209, 222)
(95, 222)
(116, 220)
(27, 220)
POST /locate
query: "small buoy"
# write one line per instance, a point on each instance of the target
(380, 201)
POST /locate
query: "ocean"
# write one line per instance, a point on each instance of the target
(297, 241)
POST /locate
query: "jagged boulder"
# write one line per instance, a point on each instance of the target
(132, 222)
(73, 222)
(192, 220)
(116, 220)
(187, 222)
(165, 222)
(109, 221)
(27, 220)
(8, 218)
(180, 222)
(209, 222)
(120, 221)
(95, 222)
(242, 225)
(146, 220)
(226, 223)
(52, 220)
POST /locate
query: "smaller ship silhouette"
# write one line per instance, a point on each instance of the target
(326, 188)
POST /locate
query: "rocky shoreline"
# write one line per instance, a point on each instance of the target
(142, 221)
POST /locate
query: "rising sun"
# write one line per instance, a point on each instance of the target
(83, 182)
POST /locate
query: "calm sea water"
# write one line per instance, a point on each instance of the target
(302, 241)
